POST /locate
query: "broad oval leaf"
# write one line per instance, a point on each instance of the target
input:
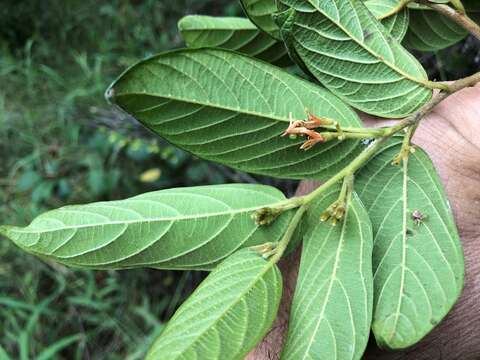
(184, 228)
(418, 265)
(232, 33)
(332, 305)
(431, 31)
(232, 109)
(260, 13)
(227, 315)
(471, 6)
(397, 24)
(347, 49)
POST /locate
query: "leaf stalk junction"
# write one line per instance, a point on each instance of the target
(335, 212)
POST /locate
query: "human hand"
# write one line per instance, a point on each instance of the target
(450, 134)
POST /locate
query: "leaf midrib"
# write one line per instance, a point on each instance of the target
(404, 250)
(363, 45)
(330, 285)
(129, 222)
(281, 77)
(217, 106)
(268, 267)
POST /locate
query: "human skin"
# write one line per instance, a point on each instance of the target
(450, 134)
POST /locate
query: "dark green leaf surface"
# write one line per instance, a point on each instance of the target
(431, 31)
(227, 315)
(397, 24)
(232, 33)
(332, 306)
(418, 268)
(184, 228)
(232, 109)
(352, 54)
(260, 12)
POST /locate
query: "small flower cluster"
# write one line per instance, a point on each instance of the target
(265, 216)
(336, 212)
(305, 128)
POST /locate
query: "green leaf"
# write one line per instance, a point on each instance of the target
(232, 33)
(418, 267)
(431, 31)
(397, 24)
(184, 228)
(3, 354)
(260, 13)
(227, 315)
(332, 306)
(345, 47)
(232, 109)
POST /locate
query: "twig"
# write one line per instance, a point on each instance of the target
(283, 244)
(420, 114)
(373, 148)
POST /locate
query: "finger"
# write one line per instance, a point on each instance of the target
(271, 346)
(306, 187)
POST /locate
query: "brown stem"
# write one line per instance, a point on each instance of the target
(457, 16)
(371, 150)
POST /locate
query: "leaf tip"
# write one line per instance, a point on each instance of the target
(8, 232)
(390, 340)
(110, 95)
(182, 23)
(4, 230)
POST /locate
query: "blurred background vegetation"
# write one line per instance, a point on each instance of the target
(60, 143)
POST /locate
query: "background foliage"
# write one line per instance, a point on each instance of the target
(61, 143)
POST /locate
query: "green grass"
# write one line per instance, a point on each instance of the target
(87, 315)
(60, 144)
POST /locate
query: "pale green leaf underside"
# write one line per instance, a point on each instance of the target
(431, 31)
(232, 109)
(232, 33)
(184, 228)
(352, 54)
(227, 315)
(397, 24)
(260, 13)
(418, 268)
(332, 306)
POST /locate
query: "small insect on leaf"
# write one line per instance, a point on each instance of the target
(426, 260)
(418, 217)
